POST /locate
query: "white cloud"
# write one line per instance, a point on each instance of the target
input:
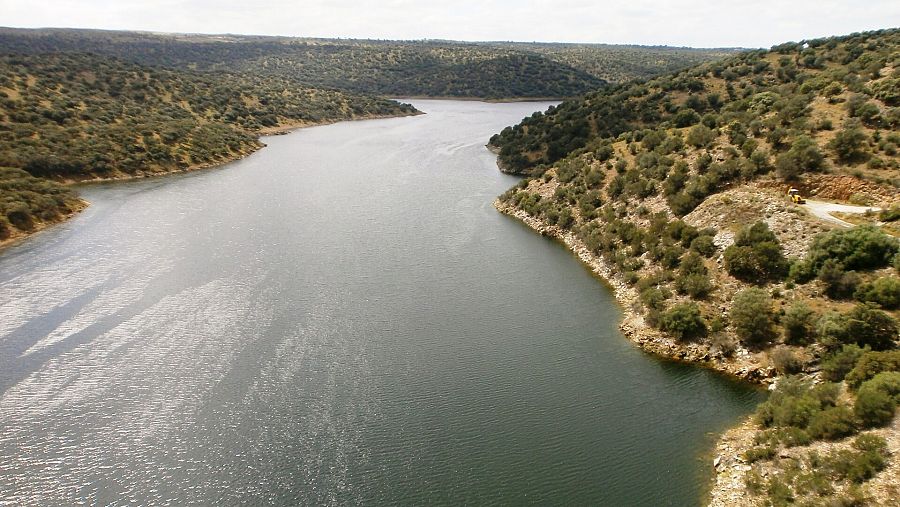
(746, 23)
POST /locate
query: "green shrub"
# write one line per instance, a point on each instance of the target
(857, 466)
(756, 256)
(755, 454)
(752, 316)
(785, 361)
(836, 367)
(839, 284)
(884, 290)
(858, 248)
(864, 325)
(799, 324)
(683, 321)
(887, 382)
(871, 364)
(694, 285)
(704, 245)
(832, 423)
(873, 407)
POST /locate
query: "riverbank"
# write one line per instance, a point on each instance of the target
(730, 465)
(742, 365)
(18, 236)
(117, 176)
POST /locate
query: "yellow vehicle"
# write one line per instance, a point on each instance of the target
(795, 196)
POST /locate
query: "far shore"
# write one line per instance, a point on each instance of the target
(19, 236)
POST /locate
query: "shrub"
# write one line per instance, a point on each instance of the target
(755, 454)
(785, 361)
(832, 423)
(836, 367)
(863, 247)
(871, 364)
(884, 290)
(756, 255)
(792, 404)
(857, 466)
(683, 321)
(873, 407)
(887, 382)
(704, 245)
(694, 285)
(839, 284)
(864, 325)
(752, 316)
(799, 324)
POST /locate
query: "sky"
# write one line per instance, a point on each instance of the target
(697, 23)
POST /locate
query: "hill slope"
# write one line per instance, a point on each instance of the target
(675, 190)
(395, 68)
(84, 116)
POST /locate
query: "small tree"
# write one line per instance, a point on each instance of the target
(799, 324)
(683, 321)
(752, 317)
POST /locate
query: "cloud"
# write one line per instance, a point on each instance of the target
(706, 23)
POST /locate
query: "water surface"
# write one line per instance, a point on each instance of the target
(340, 318)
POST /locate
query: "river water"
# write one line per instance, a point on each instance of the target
(340, 318)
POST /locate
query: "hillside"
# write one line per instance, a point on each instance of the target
(674, 190)
(71, 117)
(393, 68)
(83, 116)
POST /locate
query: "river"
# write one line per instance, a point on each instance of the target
(340, 318)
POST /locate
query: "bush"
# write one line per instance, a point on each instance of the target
(799, 324)
(756, 255)
(887, 382)
(832, 423)
(885, 291)
(785, 361)
(755, 454)
(871, 364)
(683, 321)
(752, 316)
(864, 325)
(859, 248)
(873, 407)
(792, 404)
(694, 285)
(857, 466)
(839, 284)
(836, 367)
(704, 245)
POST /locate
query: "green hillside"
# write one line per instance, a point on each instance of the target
(674, 189)
(394, 68)
(82, 116)
(777, 96)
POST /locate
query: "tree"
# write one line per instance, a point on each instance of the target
(804, 156)
(798, 324)
(700, 136)
(752, 317)
(755, 256)
(848, 142)
(683, 321)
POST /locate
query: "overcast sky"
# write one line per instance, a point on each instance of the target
(699, 23)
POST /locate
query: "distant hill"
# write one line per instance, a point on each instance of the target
(394, 68)
(79, 115)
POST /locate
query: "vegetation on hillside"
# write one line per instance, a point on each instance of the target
(798, 108)
(77, 116)
(395, 68)
(27, 202)
(671, 183)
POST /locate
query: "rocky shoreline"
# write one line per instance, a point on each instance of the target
(728, 487)
(742, 365)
